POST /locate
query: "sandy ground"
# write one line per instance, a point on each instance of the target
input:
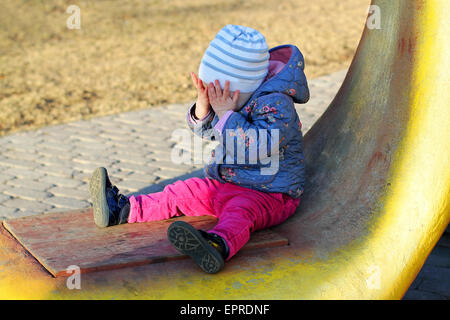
(137, 54)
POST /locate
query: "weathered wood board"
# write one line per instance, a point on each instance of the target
(59, 240)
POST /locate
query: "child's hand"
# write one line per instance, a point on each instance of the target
(202, 105)
(220, 101)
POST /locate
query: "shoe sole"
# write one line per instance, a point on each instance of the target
(97, 189)
(187, 240)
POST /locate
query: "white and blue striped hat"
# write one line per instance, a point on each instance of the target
(238, 54)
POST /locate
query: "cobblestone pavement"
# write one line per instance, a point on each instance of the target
(47, 170)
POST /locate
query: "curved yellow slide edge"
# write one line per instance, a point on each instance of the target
(379, 172)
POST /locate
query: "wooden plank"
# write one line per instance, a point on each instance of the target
(58, 240)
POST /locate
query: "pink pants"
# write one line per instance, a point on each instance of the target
(240, 210)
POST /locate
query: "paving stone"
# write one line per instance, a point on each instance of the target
(159, 139)
(29, 184)
(118, 129)
(12, 153)
(24, 138)
(27, 213)
(111, 136)
(5, 176)
(146, 178)
(26, 193)
(7, 212)
(55, 154)
(135, 158)
(60, 132)
(3, 187)
(51, 153)
(129, 120)
(82, 126)
(5, 143)
(106, 153)
(82, 176)
(18, 163)
(132, 185)
(87, 167)
(60, 181)
(56, 145)
(80, 194)
(84, 138)
(104, 122)
(134, 153)
(115, 173)
(167, 173)
(167, 164)
(26, 147)
(163, 155)
(4, 197)
(92, 146)
(65, 202)
(58, 209)
(56, 171)
(93, 158)
(25, 204)
(50, 161)
(145, 168)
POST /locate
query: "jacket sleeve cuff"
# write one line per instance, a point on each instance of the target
(220, 124)
(193, 119)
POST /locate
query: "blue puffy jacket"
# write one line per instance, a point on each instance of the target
(279, 164)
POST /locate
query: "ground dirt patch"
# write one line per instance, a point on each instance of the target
(132, 55)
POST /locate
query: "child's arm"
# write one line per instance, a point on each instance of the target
(202, 127)
(202, 105)
(200, 116)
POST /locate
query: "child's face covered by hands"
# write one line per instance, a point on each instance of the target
(222, 101)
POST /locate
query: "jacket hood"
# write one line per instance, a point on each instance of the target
(290, 79)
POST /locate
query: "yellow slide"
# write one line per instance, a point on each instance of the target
(377, 198)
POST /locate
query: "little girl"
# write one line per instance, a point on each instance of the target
(260, 87)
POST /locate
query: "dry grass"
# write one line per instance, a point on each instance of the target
(136, 54)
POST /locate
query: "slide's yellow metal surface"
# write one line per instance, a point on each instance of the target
(376, 202)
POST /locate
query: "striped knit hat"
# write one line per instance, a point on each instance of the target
(238, 54)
